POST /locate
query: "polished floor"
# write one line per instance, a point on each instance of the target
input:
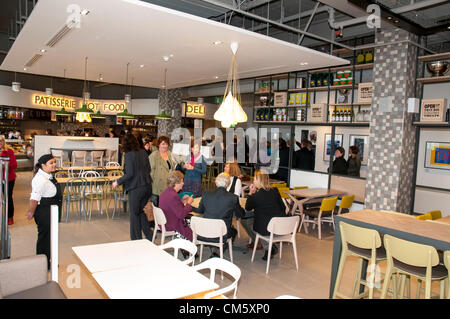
(310, 281)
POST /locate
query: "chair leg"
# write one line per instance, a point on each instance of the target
(268, 256)
(281, 248)
(201, 252)
(339, 274)
(387, 279)
(319, 225)
(294, 247)
(230, 247)
(357, 281)
(254, 246)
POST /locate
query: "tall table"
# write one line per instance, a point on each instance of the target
(436, 234)
(141, 270)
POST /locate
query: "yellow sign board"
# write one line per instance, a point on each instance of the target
(71, 104)
(195, 109)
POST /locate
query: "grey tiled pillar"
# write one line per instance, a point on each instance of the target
(172, 102)
(392, 135)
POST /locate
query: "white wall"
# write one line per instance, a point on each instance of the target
(145, 107)
(43, 143)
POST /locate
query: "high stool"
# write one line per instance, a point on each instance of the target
(407, 258)
(365, 244)
(447, 265)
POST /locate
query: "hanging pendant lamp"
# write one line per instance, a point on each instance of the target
(125, 114)
(163, 115)
(230, 111)
(84, 113)
(99, 115)
(63, 111)
(15, 86)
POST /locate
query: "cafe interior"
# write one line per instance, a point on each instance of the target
(338, 110)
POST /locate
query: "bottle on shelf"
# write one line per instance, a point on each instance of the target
(333, 116)
(312, 81)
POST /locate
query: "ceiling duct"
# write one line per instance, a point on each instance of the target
(58, 36)
(33, 60)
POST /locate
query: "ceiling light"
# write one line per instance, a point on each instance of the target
(216, 77)
(141, 66)
(217, 42)
(25, 69)
(125, 114)
(389, 18)
(303, 63)
(396, 21)
(15, 86)
(49, 91)
(166, 58)
(163, 115)
(43, 50)
(84, 113)
(85, 12)
(230, 111)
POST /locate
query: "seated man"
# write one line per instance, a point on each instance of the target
(220, 204)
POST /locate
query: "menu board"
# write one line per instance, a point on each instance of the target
(433, 110)
(365, 92)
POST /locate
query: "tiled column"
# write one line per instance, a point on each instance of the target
(392, 135)
(174, 98)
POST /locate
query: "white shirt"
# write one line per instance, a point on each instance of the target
(41, 186)
(237, 187)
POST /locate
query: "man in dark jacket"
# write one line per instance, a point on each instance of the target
(220, 204)
(304, 157)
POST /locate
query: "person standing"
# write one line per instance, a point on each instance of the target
(45, 192)
(194, 168)
(137, 182)
(354, 161)
(7, 152)
(304, 157)
(161, 163)
(340, 165)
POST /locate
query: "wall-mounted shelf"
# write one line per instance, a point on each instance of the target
(350, 104)
(434, 79)
(437, 124)
(357, 67)
(434, 57)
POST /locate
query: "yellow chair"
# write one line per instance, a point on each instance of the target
(435, 214)
(301, 187)
(447, 265)
(286, 199)
(326, 209)
(406, 258)
(365, 244)
(278, 185)
(346, 204)
(424, 217)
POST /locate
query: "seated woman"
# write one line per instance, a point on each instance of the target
(232, 169)
(175, 209)
(266, 203)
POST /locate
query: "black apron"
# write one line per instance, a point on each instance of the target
(42, 219)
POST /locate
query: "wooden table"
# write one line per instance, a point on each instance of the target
(63, 180)
(89, 168)
(396, 224)
(308, 194)
(445, 219)
(141, 270)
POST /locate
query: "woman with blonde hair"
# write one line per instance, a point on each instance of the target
(266, 203)
(233, 170)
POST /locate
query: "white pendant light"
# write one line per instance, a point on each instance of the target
(49, 90)
(15, 86)
(230, 111)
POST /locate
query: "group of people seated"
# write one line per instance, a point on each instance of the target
(262, 204)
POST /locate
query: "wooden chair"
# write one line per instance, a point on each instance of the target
(326, 209)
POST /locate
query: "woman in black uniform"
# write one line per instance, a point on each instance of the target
(45, 192)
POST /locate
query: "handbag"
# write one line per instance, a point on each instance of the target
(148, 211)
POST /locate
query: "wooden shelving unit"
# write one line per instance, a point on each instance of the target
(434, 79)
(434, 57)
(365, 66)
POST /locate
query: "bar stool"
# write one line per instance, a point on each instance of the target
(365, 244)
(407, 258)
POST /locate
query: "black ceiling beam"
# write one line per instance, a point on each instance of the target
(402, 23)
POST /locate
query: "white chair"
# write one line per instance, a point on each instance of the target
(287, 297)
(184, 244)
(281, 229)
(79, 156)
(112, 164)
(111, 156)
(160, 225)
(89, 174)
(59, 157)
(97, 158)
(225, 266)
(210, 228)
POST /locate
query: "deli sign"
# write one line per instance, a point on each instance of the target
(195, 110)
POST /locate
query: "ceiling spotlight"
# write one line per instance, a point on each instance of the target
(141, 66)
(396, 21)
(216, 77)
(43, 51)
(85, 12)
(303, 63)
(166, 58)
(448, 27)
(171, 55)
(389, 18)
(25, 69)
(217, 42)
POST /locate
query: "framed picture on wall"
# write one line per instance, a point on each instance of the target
(361, 141)
(338, 138)
(437, 155)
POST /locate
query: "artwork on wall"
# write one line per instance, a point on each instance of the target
(338, 138)
(361, 141)
(437, 155)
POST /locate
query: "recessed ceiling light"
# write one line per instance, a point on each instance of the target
(216, 77)
(303, 63)
(396, 21)
(448, 27)
(170, 55)
(165, 58)
(25, 69)
(43, 50)
(389, 18)
(85, 12)
(141, 66)
(217, 42)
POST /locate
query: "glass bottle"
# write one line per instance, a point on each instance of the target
(312, 81)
